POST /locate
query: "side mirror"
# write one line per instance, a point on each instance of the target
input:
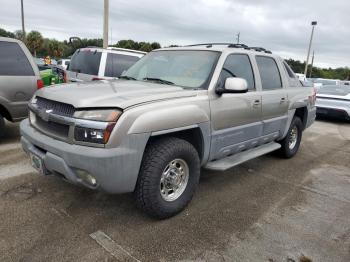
(234, 85)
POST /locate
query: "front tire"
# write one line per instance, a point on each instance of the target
(168, 177)
(290, 144)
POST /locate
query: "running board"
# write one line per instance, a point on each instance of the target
(236, 159)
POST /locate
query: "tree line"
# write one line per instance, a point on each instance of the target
(40, 47)
(342, 73)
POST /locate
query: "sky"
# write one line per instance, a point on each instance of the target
(282, 26)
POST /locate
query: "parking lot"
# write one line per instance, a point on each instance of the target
(267, 209)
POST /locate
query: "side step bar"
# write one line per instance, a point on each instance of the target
(236, 159)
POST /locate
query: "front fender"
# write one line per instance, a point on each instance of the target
(168, 118)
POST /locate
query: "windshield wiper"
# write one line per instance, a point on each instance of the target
(159, 80)
(127, 77)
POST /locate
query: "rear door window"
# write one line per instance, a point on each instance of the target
(289, 70)
(269, 73)
(86, 62)
(116, 64)
(13, 61)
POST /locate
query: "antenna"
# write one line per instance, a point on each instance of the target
(238, 36)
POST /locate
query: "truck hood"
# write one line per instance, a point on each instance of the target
(118, 93)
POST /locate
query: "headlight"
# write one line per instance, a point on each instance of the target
(92, 135)
(95, 135)
(106, 115)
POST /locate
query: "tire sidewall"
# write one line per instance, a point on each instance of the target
(157, 156)
(194, 169)
(291, 152)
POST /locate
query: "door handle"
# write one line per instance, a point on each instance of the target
(256, 103)
(283, 99)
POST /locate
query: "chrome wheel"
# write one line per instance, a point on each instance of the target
(293, 137)
(174, 180)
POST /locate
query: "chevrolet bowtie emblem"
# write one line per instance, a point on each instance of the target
(48, 111)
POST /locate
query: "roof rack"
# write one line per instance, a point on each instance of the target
(239, 46)
(260, 49)
(231, 45)
(211, 44)
(125, 49)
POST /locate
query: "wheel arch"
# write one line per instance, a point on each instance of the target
(301, 112)
(197, 135)
(5, 113)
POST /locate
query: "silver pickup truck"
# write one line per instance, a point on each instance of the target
(175, 111)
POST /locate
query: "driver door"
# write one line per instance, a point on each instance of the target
(236, 118)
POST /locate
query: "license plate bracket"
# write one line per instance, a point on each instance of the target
(37, 162)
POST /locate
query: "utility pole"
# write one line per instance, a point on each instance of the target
(313, 23)
(312, 63)
(105, 23)
(23, 31)
(238, 35)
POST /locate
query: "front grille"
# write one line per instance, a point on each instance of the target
(53, 128)
(57, 108)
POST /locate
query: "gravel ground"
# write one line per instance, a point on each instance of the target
(267, 209)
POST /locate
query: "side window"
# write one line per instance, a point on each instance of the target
(238, 65)
(269, 73)
(13, 61)
(117, 63)
(289, 70)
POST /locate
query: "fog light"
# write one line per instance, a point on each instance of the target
(86, 177)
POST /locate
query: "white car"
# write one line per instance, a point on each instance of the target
(334, 101)
(301, 77)
(95, 63)
(327, 82)
(64, 63)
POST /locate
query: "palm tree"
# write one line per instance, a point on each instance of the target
(34, 41)
(56, 48)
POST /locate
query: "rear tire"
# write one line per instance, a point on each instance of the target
(290, 144)
(168, 177)
(2, 126)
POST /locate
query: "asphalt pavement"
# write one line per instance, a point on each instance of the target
(267, 209)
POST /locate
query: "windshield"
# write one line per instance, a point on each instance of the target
(86, 62)
(188, 69)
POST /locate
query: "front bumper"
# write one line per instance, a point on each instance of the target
(116, 169)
